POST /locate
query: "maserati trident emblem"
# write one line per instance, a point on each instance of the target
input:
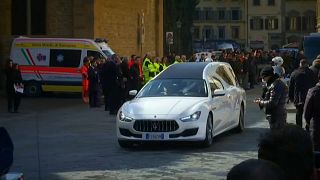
(154, 126)
(155, 116)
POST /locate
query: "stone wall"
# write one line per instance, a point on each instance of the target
(119, 22)
(60, 18)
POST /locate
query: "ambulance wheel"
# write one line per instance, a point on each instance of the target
(33, 89)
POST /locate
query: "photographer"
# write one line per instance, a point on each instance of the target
(274, 100)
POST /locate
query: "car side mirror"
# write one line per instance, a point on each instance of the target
(218, 92)
(133, 92)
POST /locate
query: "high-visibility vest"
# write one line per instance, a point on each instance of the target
(176, 61)
(157, 66)
(162, 67)
(149, 70)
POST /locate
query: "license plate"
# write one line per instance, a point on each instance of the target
(155, 136)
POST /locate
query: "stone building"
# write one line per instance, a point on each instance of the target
(220, 20)
(300, 20)
(265, 23)
(121, 22)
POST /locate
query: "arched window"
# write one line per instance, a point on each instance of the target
(293, 21)
(309, 21)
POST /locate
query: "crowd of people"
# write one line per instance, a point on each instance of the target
(291, 151)
(115, 76)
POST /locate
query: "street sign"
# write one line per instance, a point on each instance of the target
(169, 37)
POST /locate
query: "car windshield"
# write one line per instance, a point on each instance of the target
(175, 87)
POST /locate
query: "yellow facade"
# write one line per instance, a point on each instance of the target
(122, 22)
(118, 21)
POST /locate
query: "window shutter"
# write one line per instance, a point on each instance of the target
(214, 15)
(211, 15)
(212, 33)
(202, 15)
(276, 24)
(228, 15)
(304, 23)
(266, 24)
(251, 24)
(240, 15)
(298, 23)
(261, 24)
(287, 23)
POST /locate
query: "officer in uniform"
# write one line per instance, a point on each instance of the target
(149, 71)
(156, 64)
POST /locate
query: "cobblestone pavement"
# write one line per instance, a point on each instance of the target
(61, 138)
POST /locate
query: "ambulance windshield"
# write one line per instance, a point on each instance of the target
(108, 52)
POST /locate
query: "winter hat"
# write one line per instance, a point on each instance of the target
(267, 71)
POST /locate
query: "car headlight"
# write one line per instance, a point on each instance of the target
(123, 117)
(193, 117)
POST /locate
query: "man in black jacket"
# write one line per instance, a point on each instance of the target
(315, 68)
(274, 100)
(302, 79)
(312, 114)
(111, 80)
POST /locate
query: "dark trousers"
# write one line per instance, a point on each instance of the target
(299, 114)
(14, 101)
(114, 99)
(93, 98)
(105, 98)
(252, 79)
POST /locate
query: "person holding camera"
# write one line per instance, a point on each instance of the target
(274, 100)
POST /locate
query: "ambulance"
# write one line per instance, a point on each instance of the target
(53, 64)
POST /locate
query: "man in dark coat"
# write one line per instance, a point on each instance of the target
(315, 68)
(111, 82)
(275, 99)
(135, 80)
(9, 84)
(302, 79)
(124, 68)
(94, 86)
(6, 151)
(312, 114)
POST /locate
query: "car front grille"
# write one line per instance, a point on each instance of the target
(155, 126)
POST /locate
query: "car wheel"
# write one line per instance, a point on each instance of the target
(209, 135)
(125, 144)
(33, 89)
(240, 126)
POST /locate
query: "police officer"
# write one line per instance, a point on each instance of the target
(177, 59)
(274, 101)
(156, 64)
(149, 71)
(163, 64)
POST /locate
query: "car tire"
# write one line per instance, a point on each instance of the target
(240, 126)
(33, 89)
(209, 132)
(125, 144)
